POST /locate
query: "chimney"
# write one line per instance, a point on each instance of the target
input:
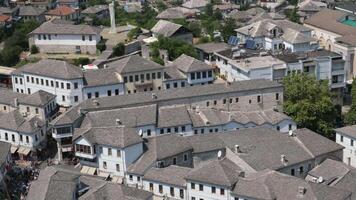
(105, 66)
(16, 102)
(96, 102)
(283, 159)
(118, 122)
(301, 191)
(237, 149)
(227, 83)
(36, 124)
(154, 96)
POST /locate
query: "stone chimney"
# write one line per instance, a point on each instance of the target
(284, 160)
(16, 102)
(237, 149)
(118, 122)
(95, 102)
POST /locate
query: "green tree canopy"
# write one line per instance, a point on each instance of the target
(174, 47)
(119, 49)
(350, 117)
(309, 103)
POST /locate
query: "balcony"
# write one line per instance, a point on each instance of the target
(85, 155)
(61, 135)
(338, 85)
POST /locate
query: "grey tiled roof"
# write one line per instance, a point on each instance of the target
(50, 27)
(212, 47)
(269, 184)
(165, 28)
(60, 184)
(347, 130)
(172, 73)
(39, 98)
(173, 116)
(70, 116)
(14, 121)
(217, 172)
(94, 78)
(130, 117)
(117, 136)
(171, 94)
(172, 175)
(52, 68)
(189, 64)
(134, 63)
(171, 13)
(195, 3)
(95, 9)
(158, 148)
(31, 11)
(8, 97)
(262, 147)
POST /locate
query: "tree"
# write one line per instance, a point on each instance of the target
(293, 15)
(81, 61)
(195, 28)
(309, 103)
(10, 55)
(101, 46)
(119, 49)
(350, 117)
(34, 49)
(228, 29)
(134, 33)
(161, 6)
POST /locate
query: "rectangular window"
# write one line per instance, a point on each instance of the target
(172, 191)
(68, 86)
(175, 85)
(185, 157)
(75, 85)
(213, 190)
(153, 75)
(109, 151)
(37, 81)
(57, 84)
(125, 79)
(109, 93)
(27, 78)
(13, 137)
(63, 98)
(90, 38)
(292, 172)
(160, 189)
(83, 37)
(168, 85)
(42, 83)
(181, 193)
(352, 143)
(116, 91)
(301, 170)
(104, 165)
(222, 191)
(159, 75)
(210, 74)
(89, 95)
(176, 129)
(36, 110)
(192, 76)
(341, 138)
(204, 74)
(198, 75)
(62, 85)
(142, 77)
(47, 83)
(258, 99)
(118, 153)
(148, 77)
(117, 167)
(201, 187)
(32, 80)
(277, 96)
(130, 79)
(183, 128)
(21, 138)
(75, 98)
(182, 84)
(27, 139)
(151, 187)
(192, 186)
(6, 137)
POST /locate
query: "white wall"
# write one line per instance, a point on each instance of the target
(349, 153)
(206, 194)
(166, 189)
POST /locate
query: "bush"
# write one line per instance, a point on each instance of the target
(34, 49)
(81, 61)
(119, 49)
(101, 46)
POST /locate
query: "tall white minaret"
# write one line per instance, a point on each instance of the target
(112, 17)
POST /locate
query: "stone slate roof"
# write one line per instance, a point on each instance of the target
(189, 64)
(14, 121)
(55, 27)
(311, 6)
(165, 28)
(347, 130)
(172, 13)
(292, 32)
(60, 184)
(70, 116)
(117, 136)
(171, 94)
(173, 116)
(94, 78)
(212, 47)
(52, 68)
(38, 99)
(134, 64)
(172, 175)
(329, 20)
(221, 172)
(172, 73)
(31, 11)
(269, 185)
(4, 152)
(262, 147)
(195, 4)
(130, 117)
(95, 9)
(8, 97)
(158, 148)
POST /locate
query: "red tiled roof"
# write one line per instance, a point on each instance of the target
(61, 11)
(4, 18)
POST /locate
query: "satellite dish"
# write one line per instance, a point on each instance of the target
(320, 179)
(219, 154)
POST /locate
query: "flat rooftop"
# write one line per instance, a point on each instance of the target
(258, 62)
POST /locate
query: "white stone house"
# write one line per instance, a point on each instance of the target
(57, 36)
(110, 149)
